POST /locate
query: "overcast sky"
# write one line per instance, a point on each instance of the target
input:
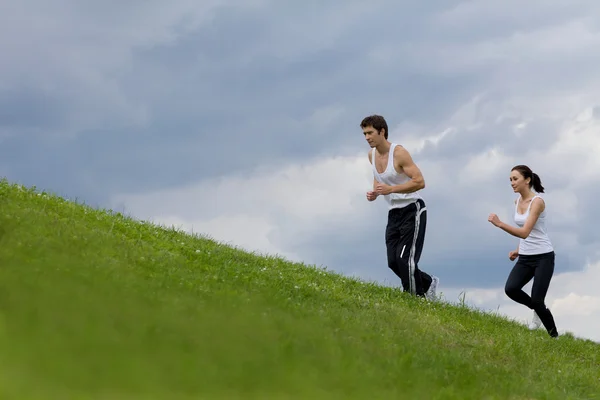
(240, 120)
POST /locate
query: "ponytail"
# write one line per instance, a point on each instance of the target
(536, 183)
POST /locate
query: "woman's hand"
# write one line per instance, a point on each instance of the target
(493, 218)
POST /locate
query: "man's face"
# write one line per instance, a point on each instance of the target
(372, 136)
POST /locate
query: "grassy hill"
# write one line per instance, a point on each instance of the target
(94, 305)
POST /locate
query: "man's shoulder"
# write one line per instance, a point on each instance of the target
(399, 147)
(401, 153)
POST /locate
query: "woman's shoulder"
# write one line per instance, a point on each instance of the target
(539, 201)
(539, 198)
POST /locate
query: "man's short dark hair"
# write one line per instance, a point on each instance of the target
(377, 122)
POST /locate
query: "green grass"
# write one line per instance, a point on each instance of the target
(95, 305)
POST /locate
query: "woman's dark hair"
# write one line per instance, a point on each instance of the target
(535, 181)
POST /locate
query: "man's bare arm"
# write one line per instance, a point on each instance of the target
(404, 162)
(375, 182)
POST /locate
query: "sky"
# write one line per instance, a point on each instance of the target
(240, 120)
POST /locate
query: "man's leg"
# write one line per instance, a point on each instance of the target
(394, 245)
(404, 238)
(426, 279)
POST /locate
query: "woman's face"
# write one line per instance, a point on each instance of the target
(518, 182)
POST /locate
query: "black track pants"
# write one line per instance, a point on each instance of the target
(404, 238)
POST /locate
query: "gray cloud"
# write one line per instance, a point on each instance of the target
(25, 108)
(184, 95)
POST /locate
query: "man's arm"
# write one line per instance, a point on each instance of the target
(374, 194)
(374, 179)
(404, 162)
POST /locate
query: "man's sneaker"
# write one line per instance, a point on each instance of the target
(536, 322)
(431, 293)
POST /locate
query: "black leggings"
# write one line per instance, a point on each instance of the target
(540, 267)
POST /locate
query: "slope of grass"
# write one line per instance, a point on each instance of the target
(94, 305)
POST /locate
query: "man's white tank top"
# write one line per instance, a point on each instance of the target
(538, 241)
(391, 177)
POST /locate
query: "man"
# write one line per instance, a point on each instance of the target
(398, 179)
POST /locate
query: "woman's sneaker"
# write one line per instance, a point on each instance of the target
(536, 322)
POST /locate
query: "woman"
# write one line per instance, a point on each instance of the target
(535, 251)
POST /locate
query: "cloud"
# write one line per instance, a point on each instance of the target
(176, 83)
(287, 205)
(576, 305)
(243, 231)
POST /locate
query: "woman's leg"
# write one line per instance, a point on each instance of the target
(520, 275)
(541, 282)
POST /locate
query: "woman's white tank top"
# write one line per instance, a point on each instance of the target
(391, 177)
(538, 241)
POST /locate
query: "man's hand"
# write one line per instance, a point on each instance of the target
(383, 189)
(513, 255)
(493, 218)
(371, 195)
